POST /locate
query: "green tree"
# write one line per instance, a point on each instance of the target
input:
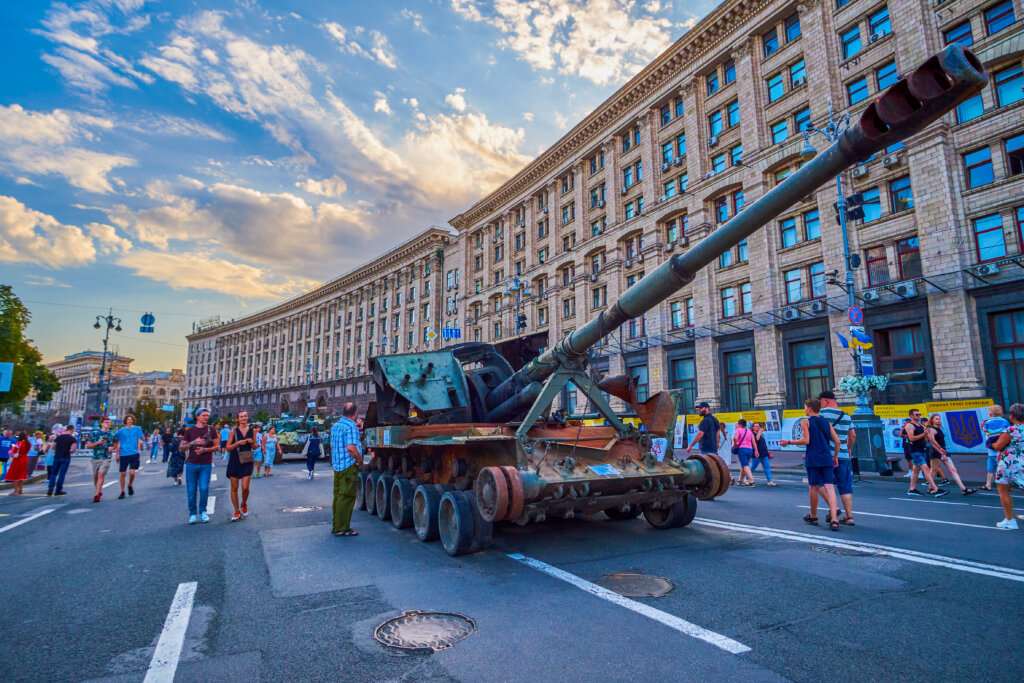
(15, 348)
(147, 414)
(261, 416)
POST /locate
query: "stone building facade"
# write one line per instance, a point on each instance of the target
(714, 123)
(316, 346)
(80, 372)
(160, 387)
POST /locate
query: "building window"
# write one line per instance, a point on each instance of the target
(886, 75)
(666, 153)
(788, 230)
(978, 167)
(728, 302)
(684, 181)
(715, 123)
(858, 90)
(737, 202)
(725, 259)
(1009, 85)
(872, 205)
(794, 286)
(718, 163)
(908, 258)
(812, 226)
(729, 71)
(739, 380)
(746, 298)
(901, 358)
(670, 189)
(568, 307)
(961, 33)
(771, 42)
(792, 27)
(689, 312)
(851, 42)
(684, 379)
(989, 238)
(970, 109)
(599, 297)
(721, 209)
(679, 106)
(676, 309)
(810, 370)
(999, 17)
(878, 23)
(666, 115)
(780, 131)
(712, 79)
(1015, 154)
(877, 266)
(900, 194)
(775, 87)
(627, 176)
(802, 119)
(1008, 348)
(639, 373)
(817, 271)
(797, 74)
(733, 113)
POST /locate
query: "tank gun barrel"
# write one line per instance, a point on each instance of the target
(911, 104)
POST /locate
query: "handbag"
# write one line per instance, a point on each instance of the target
(736, 448)
(244, 457)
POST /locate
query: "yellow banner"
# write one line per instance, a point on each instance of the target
(898, 410)
(970, 404)
(755, 416)
(728, 418)
(693, 419)
(797, 412)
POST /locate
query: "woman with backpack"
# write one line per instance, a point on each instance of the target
(743, 446)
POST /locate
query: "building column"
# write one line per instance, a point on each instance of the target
(770, 367)
(708, 375)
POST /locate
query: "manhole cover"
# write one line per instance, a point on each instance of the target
(304, 508)
(636, 585)
(848, 552)
(424, 631)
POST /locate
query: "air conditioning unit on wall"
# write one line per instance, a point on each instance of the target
(818, 307)
(870, 295)
(859, 171)
(791, 314)
(906, 289)
(987, 269)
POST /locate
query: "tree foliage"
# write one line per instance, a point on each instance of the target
(15, 348)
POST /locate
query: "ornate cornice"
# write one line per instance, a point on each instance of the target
(742, 50)
(709, 34)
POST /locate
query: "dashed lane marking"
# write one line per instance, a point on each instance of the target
(920, 519)
(168, 649)
(28, 519)
(670, 620)
(954, 563)
(211, 505)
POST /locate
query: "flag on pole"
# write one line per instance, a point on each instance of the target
(860, 339)
(843, 341)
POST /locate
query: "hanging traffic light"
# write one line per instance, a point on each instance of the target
(520, 322)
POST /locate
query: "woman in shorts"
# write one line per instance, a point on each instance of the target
(257, 452)
(743, 442)
(1010, 469)
(937, 452)
(269, 451)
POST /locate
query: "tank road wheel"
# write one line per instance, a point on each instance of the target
(691, 510)
(426, 501)
(455, 522)
(370, 492)
(725, 476)
(383, 494)
(712, 477)
(617, 513)
(361, 492)
(401, 503)
(483, 530)
(667, 517)
(515, 492)
(491, 492)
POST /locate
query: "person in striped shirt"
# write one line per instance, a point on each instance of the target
(346, 456)
(843, 424)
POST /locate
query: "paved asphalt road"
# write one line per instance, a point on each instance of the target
(87, 589)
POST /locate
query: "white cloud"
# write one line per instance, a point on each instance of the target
(455, 100)
(379, 49)
(22, 180)
(203, 271)
(44, 143)
(107, 238)
(528, 116)
(328, 187)
(416, 20)
(44, 281)
(561, 120)
(29, 234)
(381, 103)
(603, 41)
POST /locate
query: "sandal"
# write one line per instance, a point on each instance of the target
(772, 483)
(833, 525)
(811, 520)
(967, 492)
(347, 532)
(846, 521)
(984, 488)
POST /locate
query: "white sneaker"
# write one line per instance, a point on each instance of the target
(204, 518)
(192, 519)
(309, 475)
(1010, 524)
(907, 475)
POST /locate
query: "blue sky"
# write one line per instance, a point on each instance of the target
(212, 158)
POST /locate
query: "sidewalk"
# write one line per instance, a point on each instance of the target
(34, 479)
(971, 466)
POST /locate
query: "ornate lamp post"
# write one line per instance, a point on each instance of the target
(110, 323)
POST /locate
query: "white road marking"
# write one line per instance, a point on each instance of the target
(110, 483)
(213, 477)
(957, 564)
(672, 621)
(943, 502)
(919, 519)
(27, 519)
(211, 505)
(172, 638)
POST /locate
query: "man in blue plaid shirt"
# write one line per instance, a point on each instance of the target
(346, 456)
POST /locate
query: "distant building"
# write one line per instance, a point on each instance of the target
(163, 388)
(77, 373)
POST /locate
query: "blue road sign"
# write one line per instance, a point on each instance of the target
(148, 319)
(6, 371)
(856, 315)
(867, 364)
(451, 333)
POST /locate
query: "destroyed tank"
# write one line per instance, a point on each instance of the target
(460, 441)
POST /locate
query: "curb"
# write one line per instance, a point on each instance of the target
(34, 479)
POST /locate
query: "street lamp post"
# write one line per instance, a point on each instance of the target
(517, 288)
(110, 323)
(869, 447)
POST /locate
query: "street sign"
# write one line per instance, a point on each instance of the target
(311, 404)
(856, 315)
(430, 334)
(167, 408)
(451, 333)
(6, 372)
(867, 364)
(147, 321)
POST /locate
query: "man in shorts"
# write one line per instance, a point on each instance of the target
(993, 427)
(914, 433)
(820, 459)
(101, 444)
(843, 424)
(129, 443)
(225, 432)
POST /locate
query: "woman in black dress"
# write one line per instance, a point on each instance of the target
(176, 459)
(937, 451)
(240, 444)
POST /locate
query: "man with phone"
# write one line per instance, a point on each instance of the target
(200, 443)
